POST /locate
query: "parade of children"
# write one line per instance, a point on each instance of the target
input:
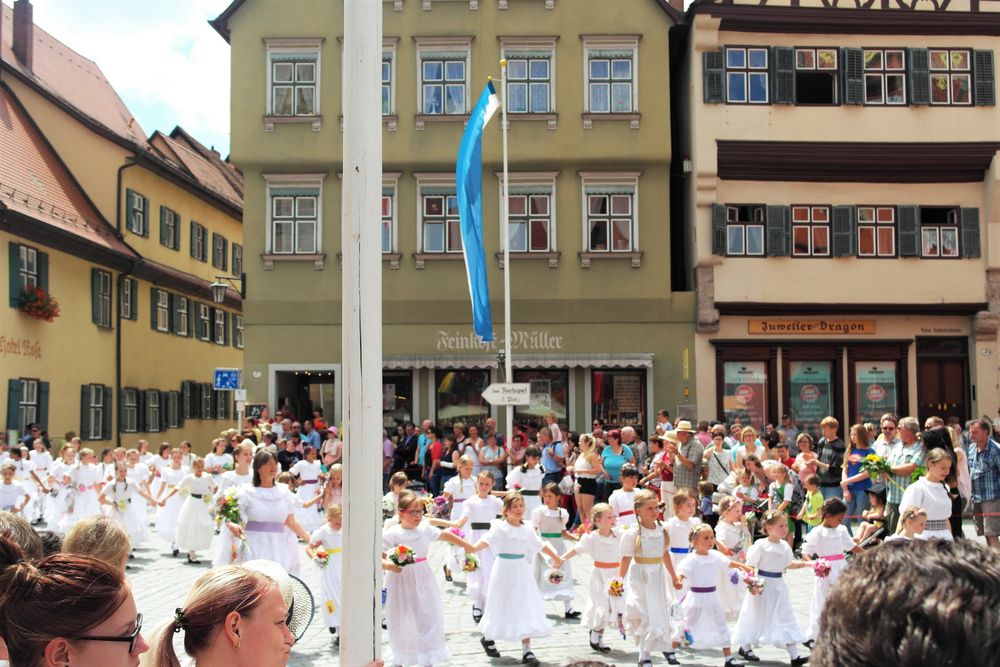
(658, 585)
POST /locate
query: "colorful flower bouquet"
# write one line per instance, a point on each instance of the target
(616, 587)
(470, 563)
(457, 532)
(755, 585)
(322, 557)
(438, 507)
(401, 556)
(121, 505)
(821, 568)
(875, 466)
(227, 507)
(582, 529)
(555, 577)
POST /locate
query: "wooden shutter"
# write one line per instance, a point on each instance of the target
(109, 408)
(14, 274)
(714, 76)
(177, 233)
(224, 260)
(154, 299)
(43, 405)
(719, 230)
(909, 230)
(95, 297)
(918, 76)
(779, 231)
(164, 236)
(164, 410)
(42, 258)
(193, 226)
(14, 404)
(843, 231)
(144, 223)
(225, 327)
(969, 226)
(853, 75)
(121, 409)
(85, 412)
(783, 75)
(140, 411)
(135, 299)
(983, 81)
(175, 313)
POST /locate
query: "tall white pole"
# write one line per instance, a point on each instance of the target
(360, 616)
(505, 230)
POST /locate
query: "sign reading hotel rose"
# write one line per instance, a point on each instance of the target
(524, 340)
(20, 347)
(820, 327)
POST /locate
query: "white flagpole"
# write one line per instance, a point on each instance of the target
(505, 230)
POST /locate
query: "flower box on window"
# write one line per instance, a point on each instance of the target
(37, 304)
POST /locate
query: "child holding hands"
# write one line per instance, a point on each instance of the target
(550, 521)
(828, 541)
(326, 542)
(731, 538)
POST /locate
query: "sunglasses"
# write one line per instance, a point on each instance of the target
(130, 638)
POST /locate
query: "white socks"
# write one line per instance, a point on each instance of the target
(567, 605)
(793, 651)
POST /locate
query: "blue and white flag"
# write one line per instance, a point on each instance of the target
(469, 182)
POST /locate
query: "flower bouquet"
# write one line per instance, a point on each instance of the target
(875, 466)
(616, 587)
(582, 529)
(401, 556)
(121, 505)
(457, 532)
(554, 577)
(438, 507)
(322, 557)
(470, 563)
(821, 568)
(388, 508)
(755, 585)
(227, 509)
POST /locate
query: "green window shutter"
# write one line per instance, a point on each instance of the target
(783, 75)
(131, 224)
(225, 327)
(177, 233)
(85, 412)
(225, 254)
(135, 299)
(109, 408)
(14, 274)
(191, 233)
(714, 76)
(145, 217)
(918, 76)
(213, 403)
(140, 411)
(43, 271)
(969, 225)
(164, 236)
(180, 408)
(153, 300)
(43, 404)
(175, 314)
(983, 81)
(853, 75)
(779, 231)
(909, 230)
(95, 296)
(14, 404)
(121, 409)
(843, 231)
(164, 397)
(719, 230)
(232, 320)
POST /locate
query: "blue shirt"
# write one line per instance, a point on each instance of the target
(613, 464)
(312, 439)
(422, 442)
(549, 463)
(984, 469)
(855, 468)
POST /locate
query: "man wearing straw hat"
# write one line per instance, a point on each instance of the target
(690, 451)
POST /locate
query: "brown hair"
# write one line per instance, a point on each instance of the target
(406, 498)
(727, 502)
(20, 532)
(508, 502)
(398, 478)
(99, 537)
(263, 457)
(681, 497)
(63, 595)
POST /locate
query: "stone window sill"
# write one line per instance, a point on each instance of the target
(635, 257)
(422, 257)
(426, 4)
(423, 118)
(318, 259)
(551, 119)
(632, 118)
(549, 4)
(271, 121)
(551, 257)
(391, 257)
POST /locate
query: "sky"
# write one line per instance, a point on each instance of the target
(164, 60)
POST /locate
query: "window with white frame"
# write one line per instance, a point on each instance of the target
(610, 215)
(885, 76)
(170, 232)
(745, 230)
(162, 310)
(529, 209)
(204, 324)
(951, 76)
(221, 404)
(810, 231)
(28, 405)
(939, 232)
(206, 394)
(816, 79)
(173, 409)
(238, 331)
(153, 411)
(95, 412)
(101, 296)
(237, 265)
(293, 81)
(219, 329)
(135, 213)
(876, 231)
(388, 79)
(439, 221)
(198, 245)
(28, 268)
(611, 81)
(130, 410)
(747, 75)
(295, 220)
(443, 82)
(220, 250)
(127, 307)
(529, 80)
(181, 308)
(388, 218)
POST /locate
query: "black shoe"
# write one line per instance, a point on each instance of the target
(749, 655)
(131, 556)
(799, 661)
(599, 648)
(809, 644)
(477, 614)
(573, 614)
(530, 659)
(490, 648)
(193, 561)
(671, 658)
(176, 553)
(645, 663)
(731, 662)
(447, 574)
(333, 631)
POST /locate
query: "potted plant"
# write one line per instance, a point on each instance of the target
(36, 303)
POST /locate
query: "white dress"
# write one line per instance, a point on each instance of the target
(647, 601)
(308, 473)
(158, 464)
(602, 610)
(413, 611)
(264, 511)
(85, 478)
(768, 618)
(43, 463)
(460, 490)
(138, 508)
(121, 495)
(225, 551)
(11, 496)
(549, 525)
(195, 525)
(514, 607)
(733, 537)
(623, 503)
(934, 499)
(702, 611)
(167, 516)
(212, 460)
(330, 539)
(531, 485)
(22, 475)
(825, 542)
(480, 514)
(680, 548)
(55, 513)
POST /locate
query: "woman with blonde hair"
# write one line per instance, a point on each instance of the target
(101, 537)
(750, 447)
(587, 468)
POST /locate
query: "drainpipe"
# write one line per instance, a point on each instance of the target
(118, 302)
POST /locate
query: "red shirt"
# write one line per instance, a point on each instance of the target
(436, 449)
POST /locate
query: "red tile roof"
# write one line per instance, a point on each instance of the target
(181, 155)
(34, 183)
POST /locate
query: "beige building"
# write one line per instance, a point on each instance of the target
(843, 187)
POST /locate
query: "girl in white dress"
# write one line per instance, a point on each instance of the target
(527, 479)
(645, 552)
(13, 498)
(413, 611)
(157, 464)
(42, 461)
(63, 488)
(307, 471)
(24, 474)
(235, 478)
(603, 545)
(827, 541)
(768, 618)
(145, 456)
(107, 464)
(457, 490)
(87, 483)
(514, 607)
(679, 528)
(912, 521)
(170, 510)
(622, 500)
(702, 611)
(328, 537)
(218, 461)
(119, 495)
(732, 538)
(267, 510)
(333, 491)
(139, 475)
(477, 517)
(931, 494)
(549, 522)
(195, 525)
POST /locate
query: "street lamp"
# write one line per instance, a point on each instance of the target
(219, 288)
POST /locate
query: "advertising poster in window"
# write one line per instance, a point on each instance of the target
(875, 389)
(810, 393)
(745, 392)
(541, 396)
(388, 397)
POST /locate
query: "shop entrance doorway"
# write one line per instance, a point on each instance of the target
(303, 391)
(942, 378)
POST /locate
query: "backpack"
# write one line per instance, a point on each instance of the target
(798, 496)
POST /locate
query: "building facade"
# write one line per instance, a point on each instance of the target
(126, 233)
(843, 187)
(599, 330)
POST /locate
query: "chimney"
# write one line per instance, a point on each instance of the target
(24, 32)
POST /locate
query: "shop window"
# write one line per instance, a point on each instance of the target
(745, 231)
(619, 397)
(459, 397)
(816, 76)
(397, 399)
(549, 393)
(811, 231)
(745, 392)
(938, 232)
(810, 393)
(876, 231)
(875, 390)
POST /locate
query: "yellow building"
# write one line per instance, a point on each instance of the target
(170, 210)
(841, 202)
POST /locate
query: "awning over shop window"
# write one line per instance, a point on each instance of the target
(637, 360)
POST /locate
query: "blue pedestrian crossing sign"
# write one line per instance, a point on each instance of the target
(226, 378)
